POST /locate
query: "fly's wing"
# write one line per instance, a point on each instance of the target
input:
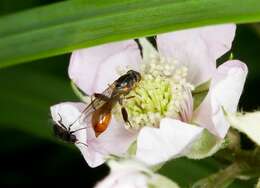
(97, 102)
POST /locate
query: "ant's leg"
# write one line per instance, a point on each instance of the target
(60, 122)
(101, 97)
(125, 116)
(80, 129)
(77, 142)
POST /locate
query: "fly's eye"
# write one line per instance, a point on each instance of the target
(130, 71)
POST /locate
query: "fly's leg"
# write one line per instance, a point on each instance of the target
(101, 97)
(91, 98)
(125, 116)
(124, 112)
(129, 97)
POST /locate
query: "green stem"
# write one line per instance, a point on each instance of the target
(242, 163)
(221, 179)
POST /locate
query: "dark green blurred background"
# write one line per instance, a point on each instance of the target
(30, 154)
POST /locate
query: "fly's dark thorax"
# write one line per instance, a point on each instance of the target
(125, 83)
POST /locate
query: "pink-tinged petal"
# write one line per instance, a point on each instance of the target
(133, 174)
(124, 178)
(171, 140)
(126, 174)
(197, 48)
(225, 90)
(228, 84)
(67, 113)
(92, 69)
(186, 107)
(219, 38)
(115, 140)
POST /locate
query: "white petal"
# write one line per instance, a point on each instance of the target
(197, 48)
(92, 69)
(219, 38)
(124, 179)
(172, 139)
(67, 112)
(225, 90)
(133, 174)
(126, 174)
(115, 140)
(228, 84)
(248, 123)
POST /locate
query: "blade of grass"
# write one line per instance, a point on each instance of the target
(62, 27)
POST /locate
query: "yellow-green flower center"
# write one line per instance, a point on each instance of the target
(150, 102)
(161, 93)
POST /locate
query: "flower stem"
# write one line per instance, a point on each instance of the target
(221, 179)
(242, 163)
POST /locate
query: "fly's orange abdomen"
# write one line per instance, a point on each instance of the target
(100, 120)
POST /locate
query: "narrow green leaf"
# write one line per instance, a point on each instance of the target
(62, 27)
(28, 91)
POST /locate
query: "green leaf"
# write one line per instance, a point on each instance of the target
(62, 27)
(28, 91)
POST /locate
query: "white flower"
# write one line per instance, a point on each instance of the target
(133, 174)
(163, 117)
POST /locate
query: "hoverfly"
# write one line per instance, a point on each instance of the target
(100, 108)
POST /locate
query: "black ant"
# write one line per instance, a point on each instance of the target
(65, 134)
